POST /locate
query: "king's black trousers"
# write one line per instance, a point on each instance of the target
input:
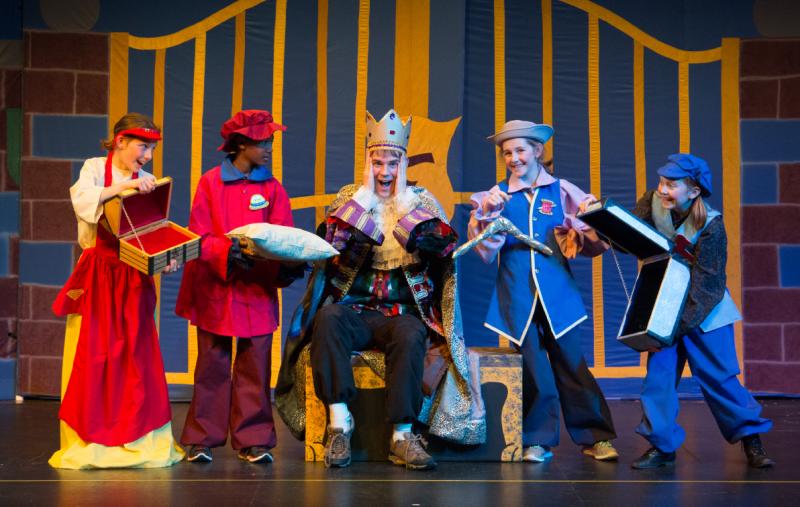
(338, 330)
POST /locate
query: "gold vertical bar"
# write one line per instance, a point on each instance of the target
(547, 67)
(277, 153)
(731, 177)
(118, 79)
(279, 50)
(499, 77)
(277, 344)
(158, 119)
(594, 168)
(196, 161)
(638, 132)
(683, 106)
(500, 93)
(158, 108)
(362, 63)
(238, 64)
(322, 105)
(198, 93)
(412, 57)
(638, 119)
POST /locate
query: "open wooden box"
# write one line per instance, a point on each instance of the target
(662, 285)
(147, 240)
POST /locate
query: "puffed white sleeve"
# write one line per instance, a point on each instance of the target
(85, 193)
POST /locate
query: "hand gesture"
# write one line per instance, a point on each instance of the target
(144, 184)
(495, 201)
(172, 267)
(570, 249)
(401, 180)
(247, 246)
(368, 178)
(585, 204)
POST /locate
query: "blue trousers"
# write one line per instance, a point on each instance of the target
(712, 359)
(556, 378)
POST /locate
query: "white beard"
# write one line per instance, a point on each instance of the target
(390, 254)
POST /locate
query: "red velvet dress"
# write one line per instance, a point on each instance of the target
(117, 391)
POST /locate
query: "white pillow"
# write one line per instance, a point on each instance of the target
(285, 243)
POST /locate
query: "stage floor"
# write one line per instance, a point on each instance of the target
(708, 472)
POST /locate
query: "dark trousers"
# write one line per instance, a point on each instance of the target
(339, 330)
(239, 403)
(554, 372)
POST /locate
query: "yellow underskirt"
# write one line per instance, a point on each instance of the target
(153, 450)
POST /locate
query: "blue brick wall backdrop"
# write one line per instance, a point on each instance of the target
(63, 125)
(770, 130)
(10, 147)
(789, 265)
(48, 251)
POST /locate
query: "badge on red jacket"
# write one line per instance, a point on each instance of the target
(257, 202)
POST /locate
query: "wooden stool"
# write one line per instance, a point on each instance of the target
(501, 388)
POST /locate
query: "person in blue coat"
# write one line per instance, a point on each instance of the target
(536, 304)
(704, 336)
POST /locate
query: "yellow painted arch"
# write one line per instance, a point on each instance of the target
(192, 31)
(650, 42)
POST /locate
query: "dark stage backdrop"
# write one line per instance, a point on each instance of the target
(623, 82)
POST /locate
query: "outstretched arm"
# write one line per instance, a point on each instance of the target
(486, 208)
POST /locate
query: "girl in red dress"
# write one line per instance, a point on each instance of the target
(114, 411)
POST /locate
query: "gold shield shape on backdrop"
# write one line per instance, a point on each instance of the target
(427, 159)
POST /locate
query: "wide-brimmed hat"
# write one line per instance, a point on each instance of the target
(524, 129)
(686, 165)
(255, 124)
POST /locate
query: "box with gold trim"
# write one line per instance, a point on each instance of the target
(501, 387)
(662, 285)
(148, 241)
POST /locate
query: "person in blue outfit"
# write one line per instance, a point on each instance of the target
(536, 303)
(704, 336)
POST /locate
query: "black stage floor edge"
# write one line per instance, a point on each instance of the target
(708, 472)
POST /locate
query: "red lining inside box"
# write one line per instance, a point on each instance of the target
(159, 239)
(145, 209)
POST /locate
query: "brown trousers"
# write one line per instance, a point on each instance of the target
(239, 403)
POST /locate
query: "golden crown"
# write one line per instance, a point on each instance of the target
(391, 133)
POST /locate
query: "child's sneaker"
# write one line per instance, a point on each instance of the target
(537, 454)
(602, 450)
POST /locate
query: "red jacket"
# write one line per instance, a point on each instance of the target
(246, 303)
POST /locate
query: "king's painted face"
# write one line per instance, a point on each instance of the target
(384, 169)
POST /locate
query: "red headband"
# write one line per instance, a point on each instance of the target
(144, 134)
(140, 133)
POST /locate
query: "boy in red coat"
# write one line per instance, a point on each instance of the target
(226, 294)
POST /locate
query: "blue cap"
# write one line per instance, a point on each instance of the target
(685, 165)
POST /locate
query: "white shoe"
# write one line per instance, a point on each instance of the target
(536, 454)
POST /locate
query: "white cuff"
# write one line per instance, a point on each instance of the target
(366, 198)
